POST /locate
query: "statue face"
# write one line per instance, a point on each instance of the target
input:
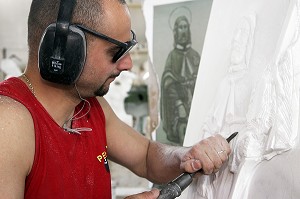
(182, 32)
(239, 44)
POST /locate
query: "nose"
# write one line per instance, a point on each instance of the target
(125, 63)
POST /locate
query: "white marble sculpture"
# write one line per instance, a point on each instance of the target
(272, 120)
(267, 119)
(230, 107)
(228, 113)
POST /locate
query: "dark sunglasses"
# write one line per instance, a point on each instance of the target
(125, 47)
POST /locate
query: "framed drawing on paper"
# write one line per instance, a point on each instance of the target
(179, 30)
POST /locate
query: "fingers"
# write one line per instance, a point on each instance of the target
(153, 194)
(224, 144)
(222, 149)
(208, 155)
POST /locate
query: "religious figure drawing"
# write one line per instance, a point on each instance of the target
(178, 82)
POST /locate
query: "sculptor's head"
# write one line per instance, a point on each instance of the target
(182, 33)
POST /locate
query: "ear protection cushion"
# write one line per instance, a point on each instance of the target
(67, 68)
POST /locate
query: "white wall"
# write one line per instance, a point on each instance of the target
(13, 23)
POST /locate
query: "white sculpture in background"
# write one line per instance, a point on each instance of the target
(10, 67)
(268, 125)
(118, 92)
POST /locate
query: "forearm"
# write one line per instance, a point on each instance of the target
(163, 162)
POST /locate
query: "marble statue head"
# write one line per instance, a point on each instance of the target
(242, 43)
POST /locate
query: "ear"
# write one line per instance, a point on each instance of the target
(62, 67)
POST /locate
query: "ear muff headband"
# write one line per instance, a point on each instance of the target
(62, 27)
(62, 50)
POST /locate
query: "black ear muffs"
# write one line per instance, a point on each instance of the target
(62, 50)
(62, 67)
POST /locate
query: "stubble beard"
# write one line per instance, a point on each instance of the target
(103, 90)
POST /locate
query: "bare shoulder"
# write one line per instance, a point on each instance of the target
(17, 145)
(104, 104)
(13, 115)
(111, 118)
(109, 113)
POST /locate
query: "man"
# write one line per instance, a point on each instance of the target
(56, 138)
(178, 82)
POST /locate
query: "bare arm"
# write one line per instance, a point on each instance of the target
(170, 161)
(159, 162)
(16, 148)
(125, 146)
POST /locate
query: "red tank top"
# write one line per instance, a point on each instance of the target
(66, 165)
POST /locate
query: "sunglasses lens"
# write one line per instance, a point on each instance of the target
(123, 51)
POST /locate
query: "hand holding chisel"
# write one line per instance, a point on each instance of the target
(174, 188)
